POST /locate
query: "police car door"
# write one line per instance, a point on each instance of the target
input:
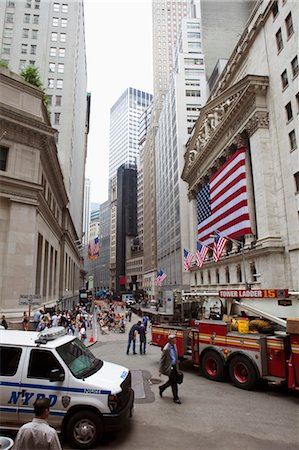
(36, 384)
(12, 359)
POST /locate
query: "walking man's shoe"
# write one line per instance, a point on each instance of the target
(160, 391)
(178, 401)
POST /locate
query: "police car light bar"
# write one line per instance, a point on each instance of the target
(49, 334)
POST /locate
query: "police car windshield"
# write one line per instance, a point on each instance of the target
(79, 359)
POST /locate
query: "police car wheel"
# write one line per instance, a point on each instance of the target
(84, 430)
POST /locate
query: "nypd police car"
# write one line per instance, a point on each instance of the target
(88, 397)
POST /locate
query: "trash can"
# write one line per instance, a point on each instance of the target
(6, 443)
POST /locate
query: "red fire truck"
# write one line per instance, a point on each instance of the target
(247, 357)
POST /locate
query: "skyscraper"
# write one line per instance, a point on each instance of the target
(50, 36)
(125, 118)
(124, 128)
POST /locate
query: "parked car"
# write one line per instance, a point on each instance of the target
(130, 302)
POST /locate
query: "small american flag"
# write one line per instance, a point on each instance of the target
(161, 276)
(201, 253)
(188, 257)
(219, 244)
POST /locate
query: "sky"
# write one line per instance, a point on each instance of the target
(119, 55)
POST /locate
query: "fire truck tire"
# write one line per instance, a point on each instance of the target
(212, 366)
(84, 430)
(242, 373)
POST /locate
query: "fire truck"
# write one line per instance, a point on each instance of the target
(217, 348)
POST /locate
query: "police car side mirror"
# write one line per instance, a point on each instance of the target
(56, 375)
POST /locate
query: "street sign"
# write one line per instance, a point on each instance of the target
(30, 299)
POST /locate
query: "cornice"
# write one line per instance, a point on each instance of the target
(19, 190)
(19, 119)
(221, 121)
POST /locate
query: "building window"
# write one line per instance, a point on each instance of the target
(56, 7)
(50, 83)
(6, 49)
(56, 118)
(24, 48)
(289, 112)
(289, 25)
(60, 68)
(33, 49)
(62, 37)
(10, 17)
(55, 21)
(63, 23)
(27, 18)
(8, 32)
(65, 8)
(25, 33)
(53, 51)
(294, 64)
(35, 19)
(22, 64)
(59, 84)
(279, 41)
(50, 100)
(3, 157)
(10, 4)
(54, 37)
(293, 141)
(31, 62)
(58, 100)
(34, 34)
(296, 177)
(28, 4)
(297, 99)
(275, 9)
(36, 5)
(284, 79)
(190, 93)
(62, 52)
(51, 67)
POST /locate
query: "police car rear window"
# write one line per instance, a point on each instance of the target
(9, 360)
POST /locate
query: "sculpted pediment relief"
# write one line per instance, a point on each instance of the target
(218, 115)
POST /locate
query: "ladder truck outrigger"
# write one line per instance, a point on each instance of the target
(250, 354)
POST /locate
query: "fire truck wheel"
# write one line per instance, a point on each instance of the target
(242, 373)
(84, 430)
(212, 366)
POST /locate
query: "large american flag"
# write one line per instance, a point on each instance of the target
(188, 257)
(219, 245)
(201, 253)
(222, 203)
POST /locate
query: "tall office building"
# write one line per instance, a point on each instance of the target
(185, 97)
(125, 118)
(124, 128)
(50, 35)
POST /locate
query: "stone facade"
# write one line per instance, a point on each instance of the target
(38, 254)
(248, 108)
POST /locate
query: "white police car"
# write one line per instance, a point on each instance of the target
(88, 396)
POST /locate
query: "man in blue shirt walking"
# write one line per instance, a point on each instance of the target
(132, 337)
(169, 367)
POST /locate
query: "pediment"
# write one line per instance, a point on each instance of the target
(229, 108)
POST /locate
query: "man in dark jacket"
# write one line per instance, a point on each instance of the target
(132, 337)
(142, 337)
(169, 367)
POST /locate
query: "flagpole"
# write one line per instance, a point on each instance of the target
(241, 245)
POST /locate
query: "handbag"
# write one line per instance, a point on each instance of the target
(180, 377)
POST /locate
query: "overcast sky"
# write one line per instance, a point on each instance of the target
(119, 55)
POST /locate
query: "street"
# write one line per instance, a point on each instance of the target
(212, 415)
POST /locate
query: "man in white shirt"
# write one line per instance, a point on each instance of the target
(38, 435)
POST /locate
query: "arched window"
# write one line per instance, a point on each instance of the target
(227, 275)
(239, 274)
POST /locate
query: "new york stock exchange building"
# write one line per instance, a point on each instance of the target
(242, 168)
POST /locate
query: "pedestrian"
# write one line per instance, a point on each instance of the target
(169, 367)
(54, 320)
(145, 321)
(132, 337)
(37, 434)
(25, 321)
(3, 322)
(82, 333)
(142, 337)
(36, 318)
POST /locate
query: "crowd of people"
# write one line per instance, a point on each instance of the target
(78, 319)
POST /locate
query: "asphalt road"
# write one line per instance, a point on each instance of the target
(212, 415)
